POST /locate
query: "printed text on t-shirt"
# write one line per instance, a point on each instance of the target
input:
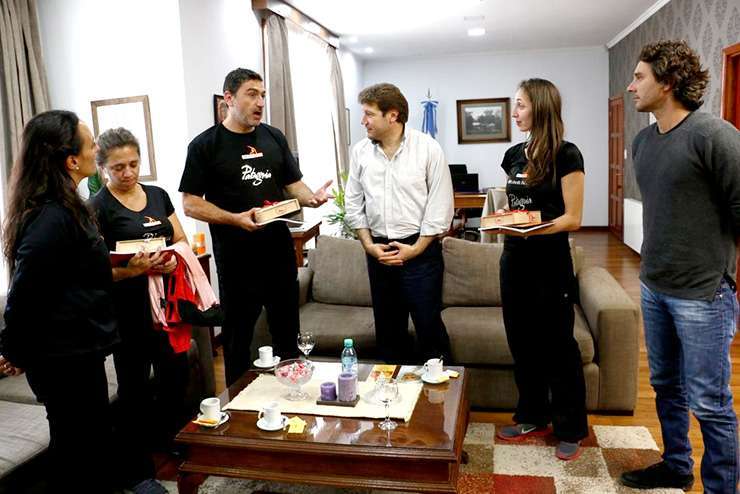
(249, 173)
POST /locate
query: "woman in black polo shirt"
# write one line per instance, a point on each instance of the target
(538, 287)
(59, 317)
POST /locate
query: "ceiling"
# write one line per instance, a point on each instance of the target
(405, 28)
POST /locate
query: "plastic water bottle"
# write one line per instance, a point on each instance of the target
(349, 357)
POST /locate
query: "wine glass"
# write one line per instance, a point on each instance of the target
(386, 393)
(306, 342)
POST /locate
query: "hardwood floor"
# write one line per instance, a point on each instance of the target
(603, 249)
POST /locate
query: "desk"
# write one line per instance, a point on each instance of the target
(463, 200)
(301, 235)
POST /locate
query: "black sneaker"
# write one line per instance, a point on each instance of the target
(656, 476)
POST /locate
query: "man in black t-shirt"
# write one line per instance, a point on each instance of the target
(232, 169)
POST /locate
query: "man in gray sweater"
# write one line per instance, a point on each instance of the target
(688, 168)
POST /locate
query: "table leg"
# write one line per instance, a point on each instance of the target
(188, 483)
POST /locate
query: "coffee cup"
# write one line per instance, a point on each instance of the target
(433, 368)
(271, 415)
(265, 353)
(210, 409)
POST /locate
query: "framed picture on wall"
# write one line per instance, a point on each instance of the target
(483, 120)
(220, 109)
(133, 114)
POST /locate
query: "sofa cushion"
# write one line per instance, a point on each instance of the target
(24, 432)
(340, 272)
(477, 336)
(471, 273)
(332, 323)
(16, 388)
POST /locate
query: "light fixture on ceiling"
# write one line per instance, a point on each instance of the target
(369, 50)
(476, 31)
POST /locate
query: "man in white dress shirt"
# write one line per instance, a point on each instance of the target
(399, 200)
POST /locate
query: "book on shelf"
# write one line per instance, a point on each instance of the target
(276, 210)
(126, 249)
(517, 217)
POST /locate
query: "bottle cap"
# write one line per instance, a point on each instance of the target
(348, 342)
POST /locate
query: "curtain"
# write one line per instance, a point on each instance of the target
(339, 116)
(23, 87)
(280, 86)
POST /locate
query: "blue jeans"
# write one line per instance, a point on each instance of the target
(688, 344)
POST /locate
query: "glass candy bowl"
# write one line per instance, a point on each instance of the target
(294, 373)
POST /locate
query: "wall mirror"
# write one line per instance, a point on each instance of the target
(133, 114)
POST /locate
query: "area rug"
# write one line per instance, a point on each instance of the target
(494, 466)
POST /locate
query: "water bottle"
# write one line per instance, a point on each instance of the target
(349, 357)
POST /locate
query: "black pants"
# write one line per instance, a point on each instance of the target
(148, 412)
(257, 270)
(416, 289)
(74, 391)
(537, 293)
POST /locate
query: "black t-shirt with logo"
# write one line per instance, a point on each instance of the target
(237, 172)
(547, 195)
(117, 222)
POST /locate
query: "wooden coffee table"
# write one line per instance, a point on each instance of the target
(422, 455)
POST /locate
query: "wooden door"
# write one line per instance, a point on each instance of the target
(731, 97)
(616, 166)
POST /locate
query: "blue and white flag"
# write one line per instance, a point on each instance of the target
(429, 124)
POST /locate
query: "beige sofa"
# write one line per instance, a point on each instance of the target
(336, 303)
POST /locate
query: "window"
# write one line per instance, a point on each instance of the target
(313, 101)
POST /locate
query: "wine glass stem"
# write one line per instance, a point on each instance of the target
(387, 412)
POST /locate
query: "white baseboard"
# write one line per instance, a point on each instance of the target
(633, 224)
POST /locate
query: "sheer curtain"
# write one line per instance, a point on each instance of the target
(313, 99)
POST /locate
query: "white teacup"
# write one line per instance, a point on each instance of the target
(265, 353)
(271, 415)
(210, 408)
(434, 368)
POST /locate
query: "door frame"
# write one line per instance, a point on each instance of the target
(731, 60)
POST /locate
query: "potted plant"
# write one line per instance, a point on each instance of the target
(338, 216)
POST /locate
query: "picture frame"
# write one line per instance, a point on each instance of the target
(133, 114)
(220, 109)
(483, 120)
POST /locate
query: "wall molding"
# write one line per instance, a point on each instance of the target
(637, 22)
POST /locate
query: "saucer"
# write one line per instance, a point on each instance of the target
(275, 361)
(265, 427)
(224, 418)
(442, 378)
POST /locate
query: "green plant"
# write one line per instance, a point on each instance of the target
(338, 216)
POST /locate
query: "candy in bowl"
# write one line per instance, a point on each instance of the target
(294, 373)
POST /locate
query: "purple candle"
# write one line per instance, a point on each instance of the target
(347, 389)
(328, 392)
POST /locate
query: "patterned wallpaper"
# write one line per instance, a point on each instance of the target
(707, 25)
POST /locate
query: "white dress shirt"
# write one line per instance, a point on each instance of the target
(408, 194)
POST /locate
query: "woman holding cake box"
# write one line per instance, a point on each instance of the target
(538, 287)
(128, 210)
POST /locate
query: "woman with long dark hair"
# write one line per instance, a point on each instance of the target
(59, 317)
(538, 287)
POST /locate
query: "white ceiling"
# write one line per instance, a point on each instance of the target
(404, 28)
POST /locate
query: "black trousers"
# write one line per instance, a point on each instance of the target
(74, 390)
(416, 289)
(257, 270)
(538, 290)
(148, 412)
